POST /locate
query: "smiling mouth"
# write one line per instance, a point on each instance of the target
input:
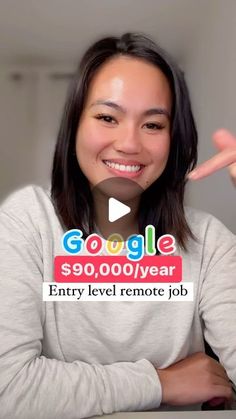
(125, 168)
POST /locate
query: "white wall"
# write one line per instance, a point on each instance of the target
(31, 102)
(211, 75)
(17, 103)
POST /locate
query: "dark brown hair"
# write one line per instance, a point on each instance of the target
(162, 203)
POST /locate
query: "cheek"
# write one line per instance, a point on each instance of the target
(160, 149)
(90, 140)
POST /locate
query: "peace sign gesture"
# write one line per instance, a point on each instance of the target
(225, 142)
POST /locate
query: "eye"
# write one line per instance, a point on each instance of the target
(154, 126)
(106, 118)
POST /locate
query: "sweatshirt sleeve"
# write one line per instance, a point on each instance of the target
(217, 305)
(33, 386)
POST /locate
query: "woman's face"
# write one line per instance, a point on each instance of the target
(124, 129)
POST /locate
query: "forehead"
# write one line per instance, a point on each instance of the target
(132, 80)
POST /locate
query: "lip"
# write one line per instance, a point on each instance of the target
(126, 163)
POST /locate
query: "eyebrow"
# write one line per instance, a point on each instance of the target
(148, 112)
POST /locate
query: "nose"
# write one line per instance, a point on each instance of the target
(128, 141)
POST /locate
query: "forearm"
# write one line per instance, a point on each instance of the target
(48, 388)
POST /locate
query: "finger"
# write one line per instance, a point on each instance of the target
(223, 159)
(222, 391)
(223, 139)
(232, 171)
(218, 370)
(221, 380)
(216, 401)
(220, 373)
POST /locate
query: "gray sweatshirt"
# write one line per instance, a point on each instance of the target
(70, 360)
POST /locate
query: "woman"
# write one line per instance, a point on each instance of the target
(127, 110)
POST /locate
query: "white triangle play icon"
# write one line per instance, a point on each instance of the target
(116, 209)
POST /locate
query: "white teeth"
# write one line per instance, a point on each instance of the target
(122, 167)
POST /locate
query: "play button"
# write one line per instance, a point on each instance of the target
(116, 210)
(116, 201)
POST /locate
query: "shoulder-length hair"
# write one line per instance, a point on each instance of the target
(162, 203)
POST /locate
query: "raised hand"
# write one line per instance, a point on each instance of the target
(225, 142)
